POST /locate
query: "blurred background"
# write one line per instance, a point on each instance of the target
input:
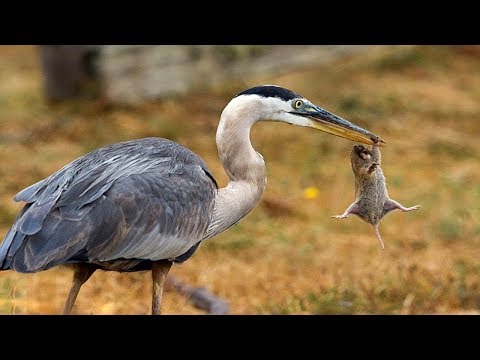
(288, 256)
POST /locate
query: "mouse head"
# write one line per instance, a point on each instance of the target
(362, 161)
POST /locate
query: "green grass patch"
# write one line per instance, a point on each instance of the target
(452, 150)
(333, 301)
(400, 60)
(231, 244)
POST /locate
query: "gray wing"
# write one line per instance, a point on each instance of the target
(143, 199)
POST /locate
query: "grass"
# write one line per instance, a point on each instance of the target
(287, 256)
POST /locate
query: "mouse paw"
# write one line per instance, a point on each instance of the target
(416, 207)
(339, 216)
(372, 167)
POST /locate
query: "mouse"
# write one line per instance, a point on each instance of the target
(372, 202)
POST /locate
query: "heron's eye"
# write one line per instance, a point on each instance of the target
(298, 104)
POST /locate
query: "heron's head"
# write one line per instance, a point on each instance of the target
(270, 102)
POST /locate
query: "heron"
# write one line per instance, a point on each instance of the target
(145, 204)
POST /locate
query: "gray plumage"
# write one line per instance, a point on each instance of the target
(144, 204)
(146, 199)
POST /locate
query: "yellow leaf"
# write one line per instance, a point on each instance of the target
(310, 193)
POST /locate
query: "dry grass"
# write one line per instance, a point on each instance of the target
(287, 256)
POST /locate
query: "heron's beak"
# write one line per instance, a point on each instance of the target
(323, 120)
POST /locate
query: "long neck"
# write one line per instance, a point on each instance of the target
(245, 169)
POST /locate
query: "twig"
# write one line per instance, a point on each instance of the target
(200, 297)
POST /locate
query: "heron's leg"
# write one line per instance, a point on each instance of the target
(160, 270)
(379, 237)
(352, 209)
(81, 274)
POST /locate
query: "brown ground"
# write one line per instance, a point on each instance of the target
(287, 256)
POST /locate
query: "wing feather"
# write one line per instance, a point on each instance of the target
(149, 199)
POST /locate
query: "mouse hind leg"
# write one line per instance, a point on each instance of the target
(393, 205)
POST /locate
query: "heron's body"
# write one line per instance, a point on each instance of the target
(119, 207)
(146, 203)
